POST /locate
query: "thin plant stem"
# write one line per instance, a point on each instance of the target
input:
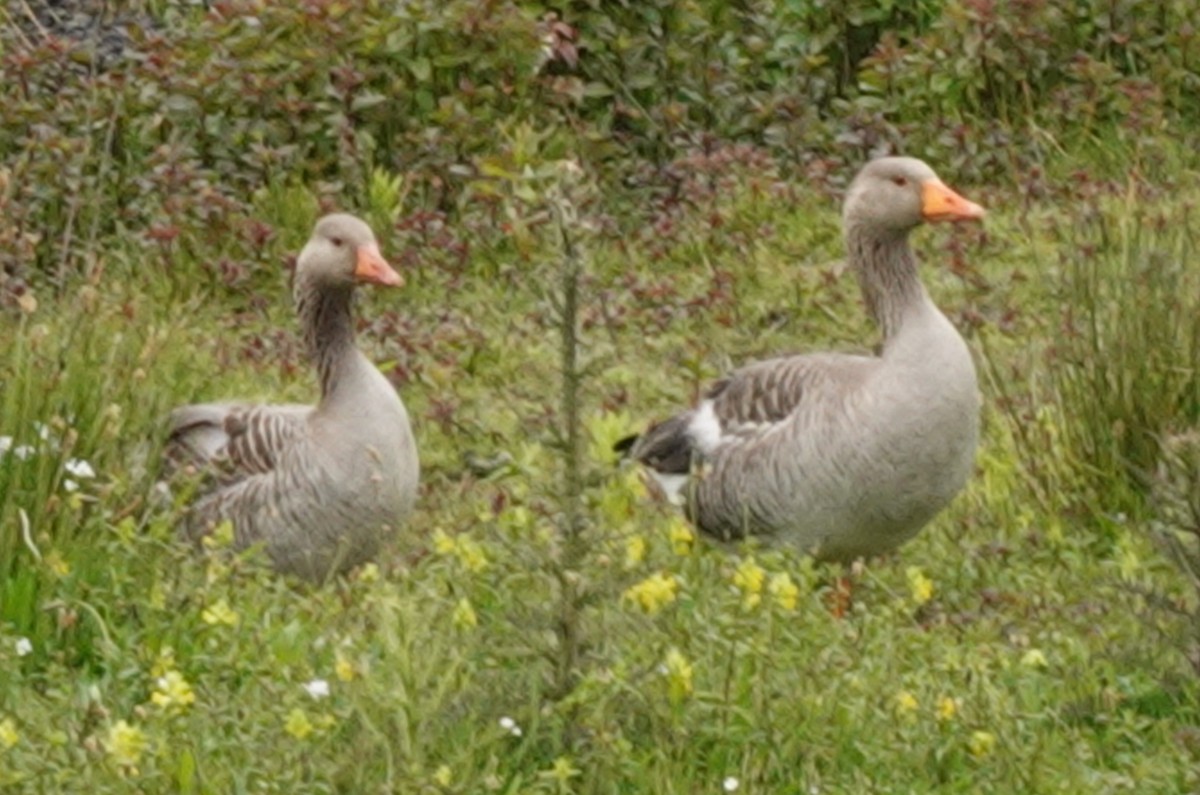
(570, 584)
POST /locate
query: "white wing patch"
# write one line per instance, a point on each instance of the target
(705, 429)
(671, 485)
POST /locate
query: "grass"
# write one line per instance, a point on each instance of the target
(1009, 648)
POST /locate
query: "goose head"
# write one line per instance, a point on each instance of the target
(343, 252)
(899, 193)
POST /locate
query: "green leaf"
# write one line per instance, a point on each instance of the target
(490, 167)
(186, 774)
(421, 69)
(596, 90)
(367, 100)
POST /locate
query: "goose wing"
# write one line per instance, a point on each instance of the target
(231, 440)
(753, 400)
(748, 404)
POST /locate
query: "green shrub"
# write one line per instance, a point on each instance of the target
(1123, 365)
(214, 105)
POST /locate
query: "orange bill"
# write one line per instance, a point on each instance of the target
(939, 203)
(372, 268)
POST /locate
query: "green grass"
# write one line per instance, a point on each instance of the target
(1036, 666)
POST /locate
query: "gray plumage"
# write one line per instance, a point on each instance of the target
(318, 486)
(843, 456)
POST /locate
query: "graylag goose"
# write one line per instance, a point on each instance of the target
(843, 456)
(318, 487)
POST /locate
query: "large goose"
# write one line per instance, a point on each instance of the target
(319, 487)
(843, 456)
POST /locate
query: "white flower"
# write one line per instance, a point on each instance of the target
(21, 451)
(70, 485)
(730, 784)
(43, 430)
(317, 688)
(509, 725)
(80, 468)
(24, 646)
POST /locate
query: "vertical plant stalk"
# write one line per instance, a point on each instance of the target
(571, 591)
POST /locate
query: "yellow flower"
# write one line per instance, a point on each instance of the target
(443, 544)
(219, 613)
(216, 570)
(947, 708)
(981, 743)
(679, 675)
(906, 703)
(470, 554)
(682, 537)
(58, 566)
(1034, 659)
(464, 614)
(164, 663)
(516, 518)
(785, 592)
(125, 744)
(920, 585)
(8, 734)
(368, 573)
(172, 692)
(654, 592)
(221, 536)
(749, 578)
(562, 771)
(442, 776)
(344, 669)
(635, 551)
(297, 724)
(635, 482)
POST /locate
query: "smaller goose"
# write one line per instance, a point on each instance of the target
(842, 456)
(319, 487)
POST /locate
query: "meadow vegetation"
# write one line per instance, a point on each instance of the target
(542, 625)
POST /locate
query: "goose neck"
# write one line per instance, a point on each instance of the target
(887, 275)
(328, 328)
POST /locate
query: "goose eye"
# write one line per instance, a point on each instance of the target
(337, 241)
(901, 181)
